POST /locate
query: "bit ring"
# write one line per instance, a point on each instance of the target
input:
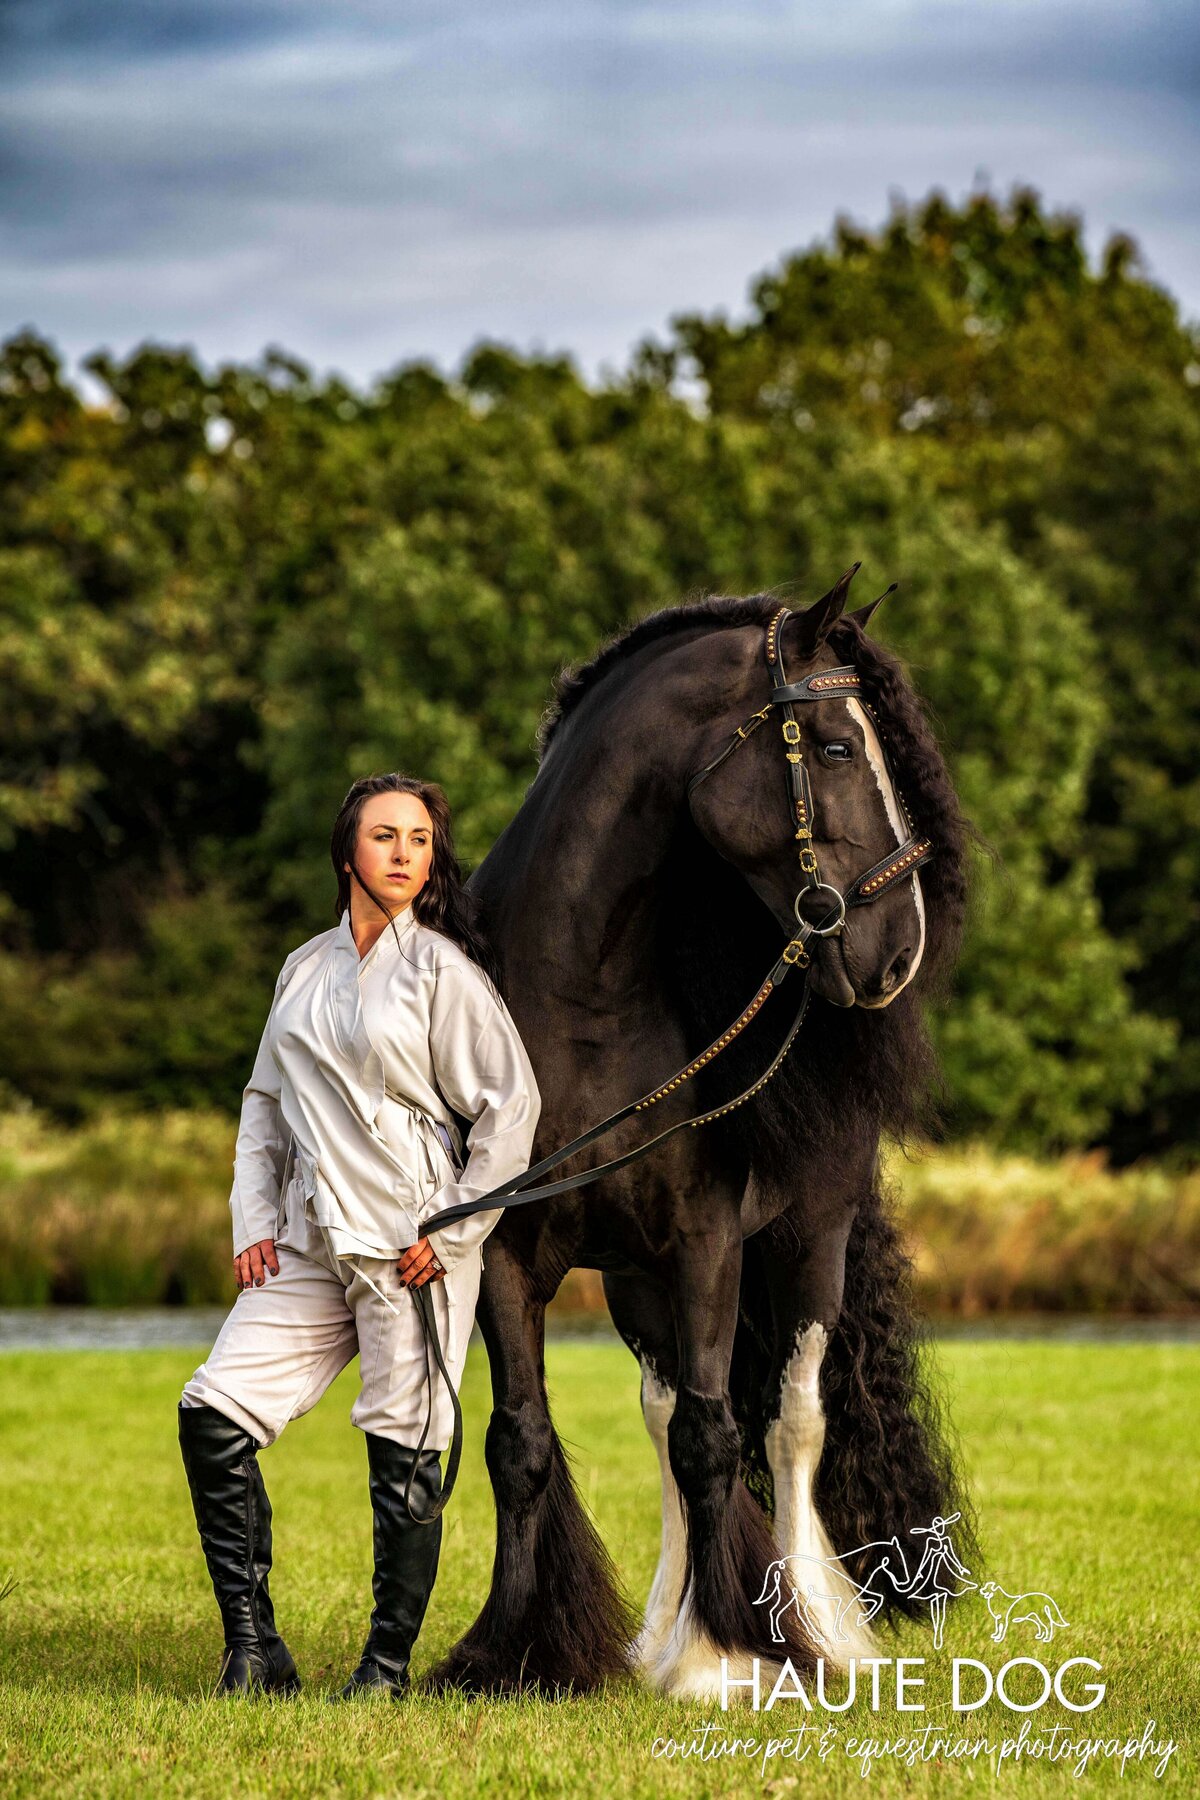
(823, 930)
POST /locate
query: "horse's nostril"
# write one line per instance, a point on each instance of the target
(897, 970)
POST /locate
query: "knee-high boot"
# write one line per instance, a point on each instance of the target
(233, 1515)
(406, 1560)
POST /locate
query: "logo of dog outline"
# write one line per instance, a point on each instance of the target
(1039, 1610)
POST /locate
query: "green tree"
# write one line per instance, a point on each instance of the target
(1061, 403)
(224, 596)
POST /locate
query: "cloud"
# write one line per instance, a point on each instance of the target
(366, 183)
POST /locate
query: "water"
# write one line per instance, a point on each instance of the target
(109, 1328)
(194, 1328)
(1071, 1328)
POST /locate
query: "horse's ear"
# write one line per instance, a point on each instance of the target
(814, 624)
(863, 615)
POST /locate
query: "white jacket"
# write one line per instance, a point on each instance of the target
(358, 1067)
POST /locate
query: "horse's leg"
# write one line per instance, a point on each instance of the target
(729, 1544)
(555, 1618)
(641, 1311)
(802, 1277)
(888, 1464)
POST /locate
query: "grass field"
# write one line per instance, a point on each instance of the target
(1084, 1470)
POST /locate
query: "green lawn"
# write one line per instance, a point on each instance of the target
(1084, 1470)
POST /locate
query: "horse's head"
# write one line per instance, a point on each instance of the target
(858, 817)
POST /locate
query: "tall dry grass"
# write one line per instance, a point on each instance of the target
(133, 1211)
(1007, 1234)
(125, 1211)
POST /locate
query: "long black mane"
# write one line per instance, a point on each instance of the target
(879, 1066)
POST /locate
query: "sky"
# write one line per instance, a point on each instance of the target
(364, 182)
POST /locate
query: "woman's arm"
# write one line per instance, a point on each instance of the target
(484, 1072)
(258, 1159)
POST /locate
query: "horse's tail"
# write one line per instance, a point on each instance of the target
(889, 1461)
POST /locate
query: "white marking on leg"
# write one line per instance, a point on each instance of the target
(899, 825)
(794, 1444)
(689, 1665)
(662, 1607)
(672, 1652)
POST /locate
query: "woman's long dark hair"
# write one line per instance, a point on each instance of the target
(443, 903)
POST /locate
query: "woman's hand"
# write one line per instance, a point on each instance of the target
(249, 1266)
(419, 1264)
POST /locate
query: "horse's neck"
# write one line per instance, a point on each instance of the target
(589, 850)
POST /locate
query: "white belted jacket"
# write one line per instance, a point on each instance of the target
(359, 1065)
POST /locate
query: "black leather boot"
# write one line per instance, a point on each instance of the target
(234, 1519)
(406, 1560)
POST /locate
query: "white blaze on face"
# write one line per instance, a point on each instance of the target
(896, 819)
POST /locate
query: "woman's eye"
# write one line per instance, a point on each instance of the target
(837, 752)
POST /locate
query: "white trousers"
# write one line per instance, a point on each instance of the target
(283, 1343)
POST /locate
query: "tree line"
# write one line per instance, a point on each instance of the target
(225, 593)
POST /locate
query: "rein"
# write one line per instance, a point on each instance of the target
(825, 684)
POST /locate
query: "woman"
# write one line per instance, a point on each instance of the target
(379, 1032)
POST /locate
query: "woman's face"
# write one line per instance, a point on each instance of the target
(394, 850)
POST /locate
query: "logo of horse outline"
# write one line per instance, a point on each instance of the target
(803, 1581)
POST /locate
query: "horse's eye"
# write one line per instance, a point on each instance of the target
(837, 752)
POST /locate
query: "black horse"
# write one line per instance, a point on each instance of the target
(750, 1265)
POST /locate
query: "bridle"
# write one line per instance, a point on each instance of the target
(825, 684)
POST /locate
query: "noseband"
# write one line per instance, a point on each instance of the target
(825, 684)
